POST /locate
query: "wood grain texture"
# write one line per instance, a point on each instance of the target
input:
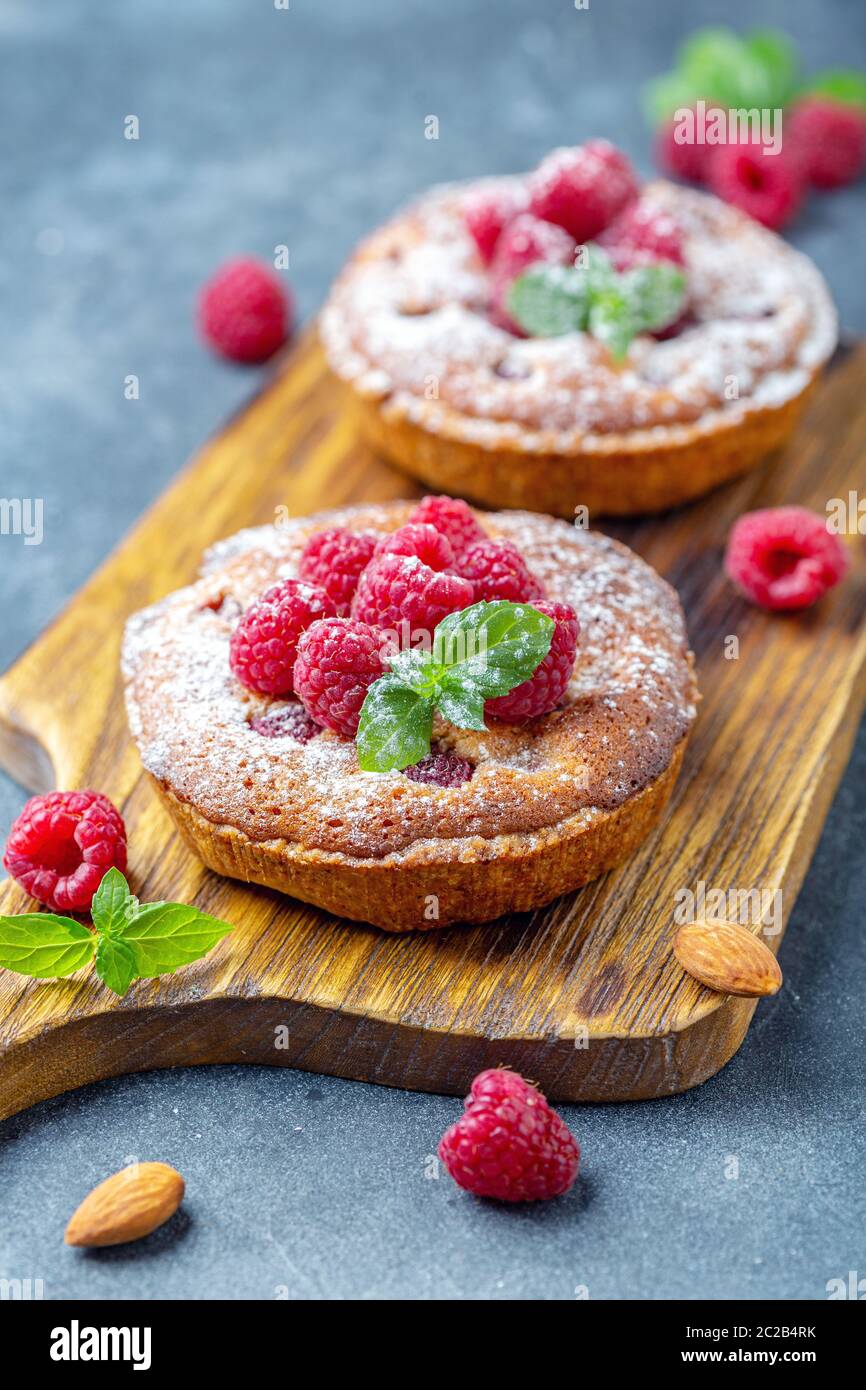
(292, 986)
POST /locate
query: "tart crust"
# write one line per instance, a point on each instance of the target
(553, 424)
(550, 806)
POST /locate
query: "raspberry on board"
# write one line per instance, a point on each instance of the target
(829, 140)
(509, 1144)
(244, 310)
(498, 571)
(62, 845)
(292, 721)
(784, 558)
(487, 211)
(421, 539)
(440, 768)
(453, 518)
(338, 660)
(769, 187)
(582, 189)
(408, 599)
(334, 559)
(264, 644)
(545, 689)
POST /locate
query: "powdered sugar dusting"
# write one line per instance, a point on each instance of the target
(630, 701)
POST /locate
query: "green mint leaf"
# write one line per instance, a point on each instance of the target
(418, 670)
(612, 322)
(113, 904)
(396, 726)
(779, 62)
(719, 62)
(462, 706)
(165, 936)
(549, 300)
(490, 648)
(666, 95)
(44, 946)
(115, 963)
(655, 295)
(838, 84)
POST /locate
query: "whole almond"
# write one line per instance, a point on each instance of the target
(128, 1205)
(728, 958)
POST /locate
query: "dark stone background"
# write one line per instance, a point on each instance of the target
(306, 127)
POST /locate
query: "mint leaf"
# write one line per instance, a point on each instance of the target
(44, 946)
(549, 300)
(655, 295)
(490, 648)
(719, 62)
(113, 904)
(395, 727)
(115, 963)
(462, 707)
(164, 936)
(779, 62)
(612, 322)
(417, 669)
(838, 84)
(723, 69)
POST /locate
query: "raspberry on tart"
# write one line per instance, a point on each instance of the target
(265, 642)
(406, 597)
(453, 518)
(422, 540)
(333, 560)
(582, 189)
(486, 820)
(544, 691)
(421, 330)
(498, 570)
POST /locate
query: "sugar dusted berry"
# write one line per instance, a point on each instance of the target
(338, 660)
(403, 595)
(265, 642)
(292, 721)
(441, 768)
(487, 210)
(244, 311)
(769, 187)
(62, 845)
(509, 1144)
(498, 571)
(582, 189)
(452, 517)
(421, 539)
(784, 557)
(544, 690)
(333, 560)
(643, 234)
(829, 140)
(526, 241)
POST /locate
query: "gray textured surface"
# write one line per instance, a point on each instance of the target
(306, 127)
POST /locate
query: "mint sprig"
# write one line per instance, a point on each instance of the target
(550, 300)
(726, 69)
(130, 941)
(476, 654)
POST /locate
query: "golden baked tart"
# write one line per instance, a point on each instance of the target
(571, 340)
(414, 714)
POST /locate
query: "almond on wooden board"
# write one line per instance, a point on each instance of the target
(128, 1205)
(728, 958)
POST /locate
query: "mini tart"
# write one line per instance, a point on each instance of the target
(551, 804)
(554, 424)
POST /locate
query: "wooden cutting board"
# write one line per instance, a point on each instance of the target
(583, 996)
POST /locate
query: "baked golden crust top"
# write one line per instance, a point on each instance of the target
(630, 703)
(407, 325)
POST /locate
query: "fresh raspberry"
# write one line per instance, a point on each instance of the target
(403, 595)
(62, 845)
(769, 187)
(290, 722)
(338, 660)
(452, 518)
(525, 241)
(643, 233)
(244, 310)
(265, 642)
(498, 570)
(784, 557)
(544, 690)
(690, 160)
(487, 211)
(509, 1143)
(441, 768)
(829, 140)
(334, 560)
(582, 189)
(421, 539)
